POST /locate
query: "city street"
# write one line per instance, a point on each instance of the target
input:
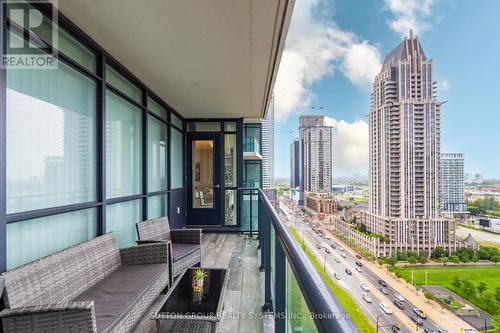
(351, 283)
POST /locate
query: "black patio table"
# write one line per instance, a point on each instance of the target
(177, 312)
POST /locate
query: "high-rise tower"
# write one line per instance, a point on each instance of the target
(268, 148)
(404, 148)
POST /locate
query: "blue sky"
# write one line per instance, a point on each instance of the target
(334, 48)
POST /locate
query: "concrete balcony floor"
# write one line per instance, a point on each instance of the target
(244, 295)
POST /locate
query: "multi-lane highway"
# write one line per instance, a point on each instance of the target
(337, 261)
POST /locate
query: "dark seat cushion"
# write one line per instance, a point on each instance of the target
(180, 250)
(120, 290)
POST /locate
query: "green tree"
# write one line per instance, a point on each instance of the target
(422, 259)
(490, 304)
(497, 294)
(481, 287)
(455, 259)
(496, 321)
(456, 283)
(412, 260)
(468, 288)
(428, 295)
(475, 258)
(444, 260)
(401, 256)
(495, 259)
(438, 252)
(398, 274)
(381, 261)
(391, 261)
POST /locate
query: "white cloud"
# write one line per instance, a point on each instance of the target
(316, 47)
(350, 145)
(410, 14)
(445, 85)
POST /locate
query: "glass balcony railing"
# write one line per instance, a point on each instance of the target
(251, 144)
(294, 290)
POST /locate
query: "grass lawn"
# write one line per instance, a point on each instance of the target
(489, 244)
(443, 276)
(355, 313)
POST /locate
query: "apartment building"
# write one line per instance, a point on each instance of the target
(452, 184)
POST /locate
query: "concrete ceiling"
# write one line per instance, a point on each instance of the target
(205, 58)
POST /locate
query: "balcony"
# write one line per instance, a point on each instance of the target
(251, 148)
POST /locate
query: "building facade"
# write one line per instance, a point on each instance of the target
(320, 203)
(404, 148)
(268, 148)
(295, 164)
(452, 184)
(316, 139)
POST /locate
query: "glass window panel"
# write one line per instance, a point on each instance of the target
(157, 158)
(230, 197)
(51, 138)
(32, 239)
(121, 219)
(76, 51)
(230, 126)
(123, 147)
(299, 319)
(176, 172)
(176, 121)
(249, 204)
(119, 82)
(157, 109)
(203, 127)
(65, 42)
(252, 174)
(203, 173)
(230, 164)
(157, 206)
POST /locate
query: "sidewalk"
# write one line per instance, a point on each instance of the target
(446, 319)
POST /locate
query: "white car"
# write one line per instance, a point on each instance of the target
(385, 308)
(364, 286)
(359, 269)
(342, 254)
(399, 297)
(337, 259)
(327, 237)
(336, 276)
(341, 248)
(367, 298)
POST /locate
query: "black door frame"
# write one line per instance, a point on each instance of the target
(205, 216)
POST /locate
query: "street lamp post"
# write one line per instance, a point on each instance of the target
(378, 318)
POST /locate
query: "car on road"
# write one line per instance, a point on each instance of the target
(327, 250)
(382, 283)
(442, 331)
(428, 330)
(416, 319)
(359, 269)
(359, 264)
(358, 256)
(399, 297)
(384, 290)
(336, 276)
(337, 259)
(327, 237)
(385, 308)
(395, 329)
(364, 286)
(400, 305)
(318, 246)
(333, 246)
(348, 271)
(367, 298)
(419, 313)
(341, 248)
(342, 254)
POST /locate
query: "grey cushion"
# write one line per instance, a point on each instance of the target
(114, 295)
(180, 250)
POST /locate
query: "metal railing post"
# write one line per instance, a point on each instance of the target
(266, 252)
(279, 288)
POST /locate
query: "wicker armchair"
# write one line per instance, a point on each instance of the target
(185, 243)
(90, 287)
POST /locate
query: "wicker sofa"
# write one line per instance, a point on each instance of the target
(90, 287)
(185, 243)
